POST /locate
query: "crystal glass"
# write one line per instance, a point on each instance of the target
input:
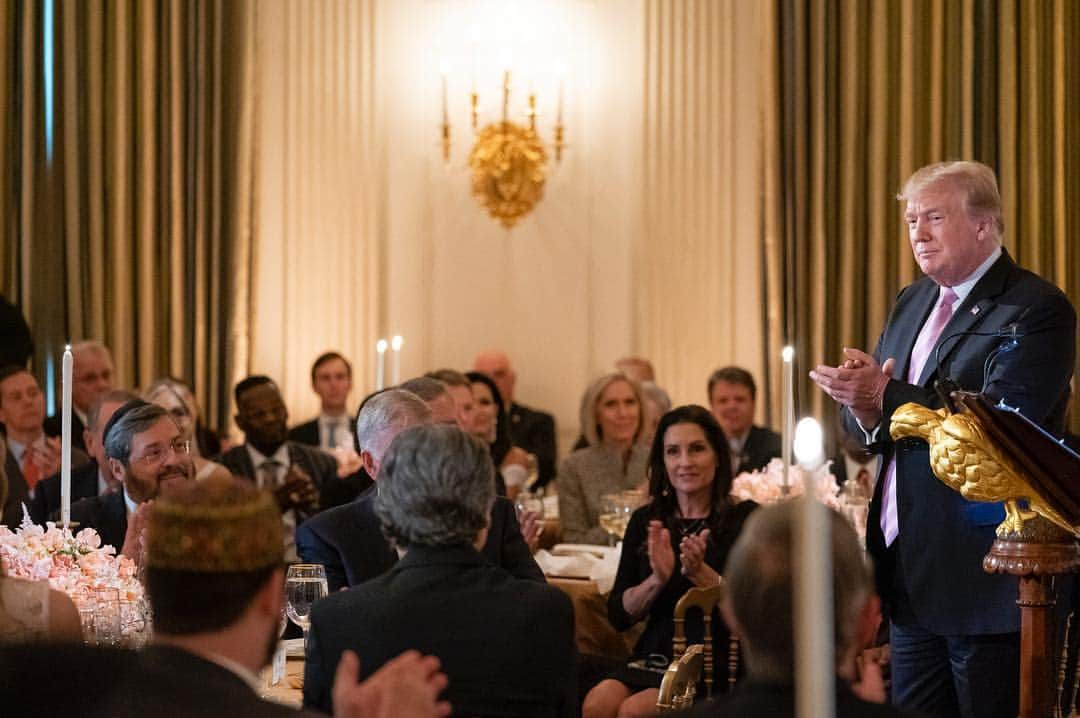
(106, 608)
(305, 583)
(613, 516)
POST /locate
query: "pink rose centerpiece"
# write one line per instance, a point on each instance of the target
(75, 564)
(766, 486)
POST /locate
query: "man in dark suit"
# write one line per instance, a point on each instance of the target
(92, 478)
(506, 645)
(331, 380)
(31, 456)
(732, 397)
(760, 604)
(348, 540)
(91, 376)
(213, 576)
(16, 345)
(954, 629)
(145, 454)
(532, 430)
(298, 475)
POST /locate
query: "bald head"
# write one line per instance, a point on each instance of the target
(92, 373)
(497, 365)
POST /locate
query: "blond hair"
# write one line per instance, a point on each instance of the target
(589, 425)
(976, 180)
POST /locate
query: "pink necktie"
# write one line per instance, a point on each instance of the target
(920, 353)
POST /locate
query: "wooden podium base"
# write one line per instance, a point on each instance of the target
(1035, 554)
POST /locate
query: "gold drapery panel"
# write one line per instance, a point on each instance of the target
(860, 94)
(698, 281)
(128, 218)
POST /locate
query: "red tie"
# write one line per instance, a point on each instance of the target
(30, 471)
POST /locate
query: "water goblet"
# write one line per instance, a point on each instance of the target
(305, 583)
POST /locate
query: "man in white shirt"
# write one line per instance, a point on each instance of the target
(31, 455)
(331, 380)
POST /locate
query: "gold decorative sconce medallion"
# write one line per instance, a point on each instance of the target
(509, 167)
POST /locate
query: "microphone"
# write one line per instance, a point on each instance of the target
(945, 385)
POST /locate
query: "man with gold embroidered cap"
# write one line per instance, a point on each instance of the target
(215, 577)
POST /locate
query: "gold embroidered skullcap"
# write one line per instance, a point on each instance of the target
(215, 526)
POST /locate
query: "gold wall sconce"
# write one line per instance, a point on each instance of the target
(508, 160)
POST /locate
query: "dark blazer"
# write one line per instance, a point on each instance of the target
(317, 464)
(52, 428)
(506, 645)
(776, 700)
(105, 514)
(348, 541)
(16, 345)
(534, 431)
(943, 537)
(762, 446)
(46, 501)
(19, 492)
(306, 433)
(111, 683)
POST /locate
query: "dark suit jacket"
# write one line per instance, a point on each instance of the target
(752, 699)
(306, 433)
(19, 492)
(316, 463)
(46, 501)
(534, 431)
(16, 346)
(762, 446)
(943, 537)
(348, 541)
(110, 683)
(52, 428)
(506, 645)
(105, 514)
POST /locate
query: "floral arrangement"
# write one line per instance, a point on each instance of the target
(766, 486)
(75, 564)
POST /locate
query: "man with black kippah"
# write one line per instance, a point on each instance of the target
(144, 452)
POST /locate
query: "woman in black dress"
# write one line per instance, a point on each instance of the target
(680, 539)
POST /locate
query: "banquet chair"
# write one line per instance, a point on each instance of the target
(679, 685)
(706, 600)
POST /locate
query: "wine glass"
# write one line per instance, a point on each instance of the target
(613, 516)
(305, 583)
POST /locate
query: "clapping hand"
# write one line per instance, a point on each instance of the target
(406, 687)
(47, 457)
(135, 536)
(858, 383)
(692, 556)
(298, 491)
(531, 528)
(661, 557)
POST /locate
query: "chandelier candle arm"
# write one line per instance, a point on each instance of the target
(445, 116)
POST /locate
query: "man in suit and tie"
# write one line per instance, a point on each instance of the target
(954, 628)
(348, 540)
(146, 454)
(92, 478)
(91, 376)
(532, 430)
(297, 474)
(506, 644)
(331, 380)
(732, 398)
(31, 455)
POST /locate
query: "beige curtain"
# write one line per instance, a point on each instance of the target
(128, 218)
(699, 270)
(860, 94)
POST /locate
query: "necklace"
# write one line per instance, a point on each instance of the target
(688, 527)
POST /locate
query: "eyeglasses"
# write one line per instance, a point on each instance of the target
(157, 455)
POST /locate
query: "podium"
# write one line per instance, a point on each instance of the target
(1040, 485)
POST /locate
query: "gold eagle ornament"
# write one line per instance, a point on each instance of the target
(964, 458)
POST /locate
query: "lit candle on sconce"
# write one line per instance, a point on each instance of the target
(444, 70)
(380, 364)
(395, 360)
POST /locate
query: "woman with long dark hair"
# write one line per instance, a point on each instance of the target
(679, 540)
(491, 423)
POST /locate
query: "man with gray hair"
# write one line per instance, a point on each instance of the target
(759, 606)
(505, 644)
(348, 539)
(145, 452)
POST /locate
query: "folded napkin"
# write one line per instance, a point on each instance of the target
(577, 565)
(597, 563)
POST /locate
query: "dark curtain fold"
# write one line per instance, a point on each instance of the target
(127, 207)
(867, 92)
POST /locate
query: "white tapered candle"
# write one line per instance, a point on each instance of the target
(788, 355)
(380, 364)
(395, 366)
(65, 438)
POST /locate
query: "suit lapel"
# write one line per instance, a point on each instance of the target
(909, 327)
(968, 315)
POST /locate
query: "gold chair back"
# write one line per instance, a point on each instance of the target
(679, 685)
(706, 600)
